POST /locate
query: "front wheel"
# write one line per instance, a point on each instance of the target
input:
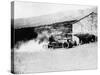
(70, 44)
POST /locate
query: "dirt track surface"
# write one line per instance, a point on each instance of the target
(78, 58)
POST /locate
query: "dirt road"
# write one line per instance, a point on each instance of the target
(78, 58)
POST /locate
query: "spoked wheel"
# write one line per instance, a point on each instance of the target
(66, 45)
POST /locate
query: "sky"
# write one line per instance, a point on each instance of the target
(33, 9)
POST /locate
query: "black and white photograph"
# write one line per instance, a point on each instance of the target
(50, 37)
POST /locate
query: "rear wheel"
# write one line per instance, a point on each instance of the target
(65, 45)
